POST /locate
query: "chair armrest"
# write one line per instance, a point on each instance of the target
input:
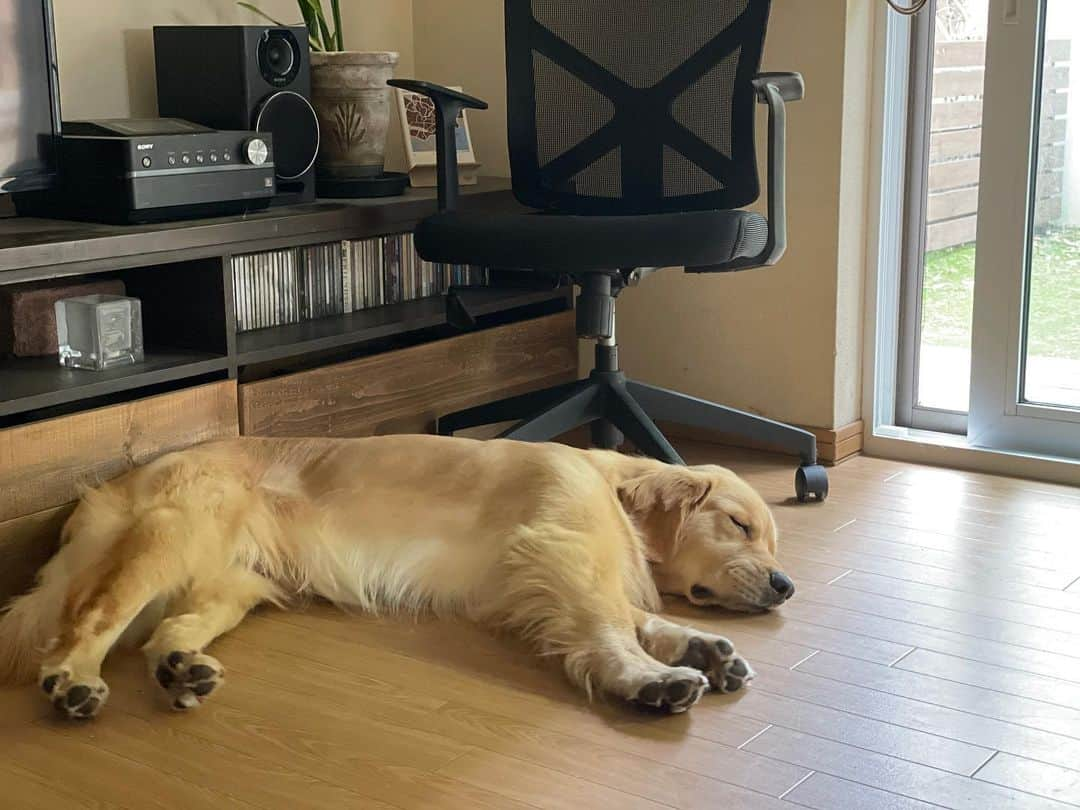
(448, 106)
(791, 85)
(773, 92)
(772, 89)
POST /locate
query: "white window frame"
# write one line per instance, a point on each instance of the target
(883, 436)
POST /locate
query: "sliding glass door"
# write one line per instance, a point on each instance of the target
(1025, 386)
(992, 297)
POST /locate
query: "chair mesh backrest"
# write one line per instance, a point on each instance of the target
(633, 106)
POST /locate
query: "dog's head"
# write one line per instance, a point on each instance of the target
(708, 536)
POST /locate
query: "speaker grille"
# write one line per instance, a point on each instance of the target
(289, 117)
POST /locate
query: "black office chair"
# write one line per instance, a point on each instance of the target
(631, 130)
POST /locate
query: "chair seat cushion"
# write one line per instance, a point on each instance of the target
(559, 243)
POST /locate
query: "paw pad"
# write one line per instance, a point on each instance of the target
(674, 692)
(732, 676)
(73, 697)
(188, 677)
(716, 657)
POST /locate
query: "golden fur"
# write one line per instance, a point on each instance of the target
(568, 548)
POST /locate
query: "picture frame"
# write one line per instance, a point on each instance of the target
(417, 116)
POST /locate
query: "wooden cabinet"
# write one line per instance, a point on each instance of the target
(43, 464)
(404, 391)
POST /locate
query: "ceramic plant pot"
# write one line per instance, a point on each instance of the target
(351, 98)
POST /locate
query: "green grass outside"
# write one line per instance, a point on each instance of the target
(948, 291)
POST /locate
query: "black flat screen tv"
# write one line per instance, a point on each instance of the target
(29, 95)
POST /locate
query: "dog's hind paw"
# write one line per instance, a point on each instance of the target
(716, 657)
(675, 691)
(78, 698)
(188, 677)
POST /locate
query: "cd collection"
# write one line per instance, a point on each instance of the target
(277, 287)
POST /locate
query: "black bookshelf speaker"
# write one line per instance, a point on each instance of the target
(245, 77)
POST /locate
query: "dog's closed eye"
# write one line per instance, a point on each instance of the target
(743, 526)
(701, 593)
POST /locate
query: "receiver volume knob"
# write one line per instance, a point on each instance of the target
(256, 151)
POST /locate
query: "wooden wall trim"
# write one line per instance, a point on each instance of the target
(835, 445)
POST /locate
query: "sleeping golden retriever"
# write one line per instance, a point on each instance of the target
(568, 548)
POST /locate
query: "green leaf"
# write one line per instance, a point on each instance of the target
(260, 12)
(312, 25)
(317, 18)
(335, 5)
(250, 7)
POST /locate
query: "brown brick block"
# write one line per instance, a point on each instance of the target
(28, 317)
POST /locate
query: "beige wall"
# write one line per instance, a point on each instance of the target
(853, 208)
(460, 42)
(783, 341)
(106, 52)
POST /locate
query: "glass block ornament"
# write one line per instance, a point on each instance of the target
(99, 331)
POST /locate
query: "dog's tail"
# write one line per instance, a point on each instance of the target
(27, 626)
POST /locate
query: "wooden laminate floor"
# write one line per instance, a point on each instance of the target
(931, 657)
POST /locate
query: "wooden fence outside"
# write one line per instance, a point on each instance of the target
(956, 138)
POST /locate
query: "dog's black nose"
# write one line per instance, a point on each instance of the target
(781, 584)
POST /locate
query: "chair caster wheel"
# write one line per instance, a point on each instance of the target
(811, 483)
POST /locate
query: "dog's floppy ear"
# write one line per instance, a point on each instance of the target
(660, 503)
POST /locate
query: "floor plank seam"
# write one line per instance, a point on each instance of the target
(994, 567)
(879, 616)
(902, 657)
(790, 789)
(1045, 702)
(804, 660)
(1068, 614)
(975, 595)
(949, 708)
(1074, 582)
(872, 750)
(747, 742)
(975, 772)
(836, 579)
(951, 536)
(630, 754)
(915, 539)
(868, 784)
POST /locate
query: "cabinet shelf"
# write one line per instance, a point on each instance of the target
(40, 382)
(279, 342)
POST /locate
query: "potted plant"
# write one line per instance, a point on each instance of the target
(349, 94)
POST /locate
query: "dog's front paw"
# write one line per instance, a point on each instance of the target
(732, 676)
(675, 691)
(188, 677)
(75, 697)
(716, 657)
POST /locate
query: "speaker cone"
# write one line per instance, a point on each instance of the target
(290, 118)
(279, 57)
